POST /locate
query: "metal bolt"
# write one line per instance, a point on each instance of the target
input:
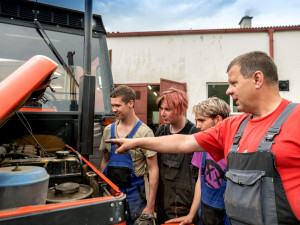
(120, 203)
(119, 218)
(112, 205)
(111, 219)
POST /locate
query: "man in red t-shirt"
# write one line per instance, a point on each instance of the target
(263, 169)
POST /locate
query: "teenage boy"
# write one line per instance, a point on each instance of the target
(127, 171)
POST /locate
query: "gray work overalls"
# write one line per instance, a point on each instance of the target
(255, 193)
(177, 180)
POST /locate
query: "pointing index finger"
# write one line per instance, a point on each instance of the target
(113, 141)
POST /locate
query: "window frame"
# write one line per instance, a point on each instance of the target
(231, 103)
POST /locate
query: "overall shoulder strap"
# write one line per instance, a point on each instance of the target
(112, 130)
(136, 127)
(192, 128)
(268, 140)
(112, 136)
(203, 161)
(163, 130)
(235, 145)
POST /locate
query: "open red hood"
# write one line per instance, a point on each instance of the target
(32, 77)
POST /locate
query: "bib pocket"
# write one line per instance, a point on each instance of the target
(120, 176)
(171, 166)
(243, 196)
(211, 215)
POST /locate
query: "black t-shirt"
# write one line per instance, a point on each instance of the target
(189, 128)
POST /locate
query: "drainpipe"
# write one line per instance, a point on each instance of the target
(271, 42)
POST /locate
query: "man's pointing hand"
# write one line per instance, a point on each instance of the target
(122, 144)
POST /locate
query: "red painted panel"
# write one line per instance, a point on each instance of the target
(166, 84)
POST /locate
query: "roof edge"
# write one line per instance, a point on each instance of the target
(204, 31)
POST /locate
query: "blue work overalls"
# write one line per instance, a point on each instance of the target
(212, 207)
(136, 191)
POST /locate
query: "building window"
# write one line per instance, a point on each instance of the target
(219, 90)
(138, 95)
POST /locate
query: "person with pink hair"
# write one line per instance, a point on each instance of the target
(177, 176)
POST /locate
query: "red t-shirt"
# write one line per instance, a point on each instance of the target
(218, 140)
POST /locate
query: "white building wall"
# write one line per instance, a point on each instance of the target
(198, 59)
(287, 59)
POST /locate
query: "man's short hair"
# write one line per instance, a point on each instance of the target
(212, 107)
(175, 99)
(126, 93)
(256, 61)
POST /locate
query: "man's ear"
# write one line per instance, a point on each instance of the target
(131, 103)
(218, 119)
(258, 77)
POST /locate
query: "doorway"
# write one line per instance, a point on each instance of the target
(152, 109)
(146, 95)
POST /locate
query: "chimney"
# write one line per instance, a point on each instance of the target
(246, 22)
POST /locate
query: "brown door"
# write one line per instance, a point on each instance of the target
(140, 106)
(165, 85)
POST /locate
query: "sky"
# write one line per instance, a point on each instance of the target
(164, 15)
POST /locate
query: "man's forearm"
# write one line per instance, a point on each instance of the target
(153, 183)
(197, 198)
(176, 144)
(104, 161)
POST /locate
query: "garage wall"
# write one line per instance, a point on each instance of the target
(197, 59)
